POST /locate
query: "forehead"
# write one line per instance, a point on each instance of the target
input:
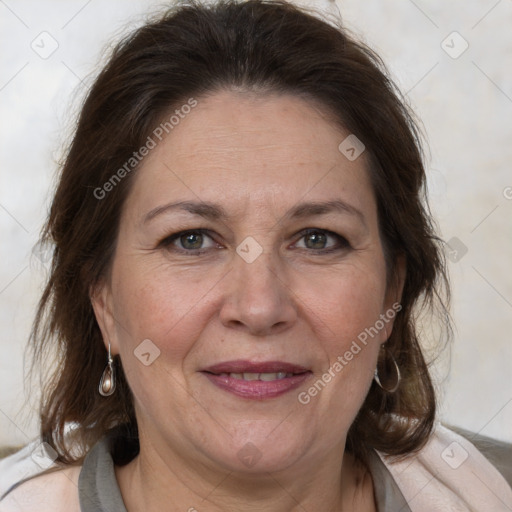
(248, 150)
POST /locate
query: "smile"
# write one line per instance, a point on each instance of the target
(256, 381)
(258, 376)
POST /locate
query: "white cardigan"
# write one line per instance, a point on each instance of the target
(448, 474)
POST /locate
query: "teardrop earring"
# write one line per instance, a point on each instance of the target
(107, 384)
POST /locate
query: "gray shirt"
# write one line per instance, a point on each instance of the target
(99, 491)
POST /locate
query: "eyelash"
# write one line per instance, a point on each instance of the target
(342, 242)
(167, 242)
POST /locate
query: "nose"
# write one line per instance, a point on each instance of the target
(258, 299)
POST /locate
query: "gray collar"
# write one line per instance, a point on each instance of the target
(99, 491)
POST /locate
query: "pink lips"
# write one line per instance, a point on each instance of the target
(256, 389)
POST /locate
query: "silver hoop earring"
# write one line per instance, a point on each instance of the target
(376, 377)
(107, 384)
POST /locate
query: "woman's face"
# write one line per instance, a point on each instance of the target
(249, 256)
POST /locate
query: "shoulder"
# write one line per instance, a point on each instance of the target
(450, 469)
(499, 453)
(25, 486)
(53, 491)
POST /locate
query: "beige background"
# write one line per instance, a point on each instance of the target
(466, 107)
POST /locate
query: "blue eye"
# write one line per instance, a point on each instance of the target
(198, 241)
(322, 240)
(189, 241)
(315, 240)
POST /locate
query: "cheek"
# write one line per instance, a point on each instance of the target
(347, 304)
(153, 302)
(346, 309)
(342, 309)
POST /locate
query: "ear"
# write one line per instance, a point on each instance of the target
(395, 287)
(102, 304)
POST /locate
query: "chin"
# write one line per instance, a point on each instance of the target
(260, 454)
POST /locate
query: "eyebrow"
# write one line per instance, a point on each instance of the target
(311, 209)
(203, 209)
(214, 211)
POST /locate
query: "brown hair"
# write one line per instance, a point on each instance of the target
(192, 51)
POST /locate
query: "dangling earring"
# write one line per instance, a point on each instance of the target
(391, 389)
(107, 384)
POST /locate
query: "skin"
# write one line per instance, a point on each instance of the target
(257, 157)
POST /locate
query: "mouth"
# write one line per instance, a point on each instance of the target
(267, 377)
(257, 380)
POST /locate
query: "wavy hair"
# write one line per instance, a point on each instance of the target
(192, 51)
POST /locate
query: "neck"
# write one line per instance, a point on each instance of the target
(156, 481)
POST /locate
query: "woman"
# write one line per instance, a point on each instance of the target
(241, 247)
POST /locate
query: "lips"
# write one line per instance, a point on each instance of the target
(243, 366)
(256, 380)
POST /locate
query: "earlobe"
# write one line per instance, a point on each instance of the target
(101, 301)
